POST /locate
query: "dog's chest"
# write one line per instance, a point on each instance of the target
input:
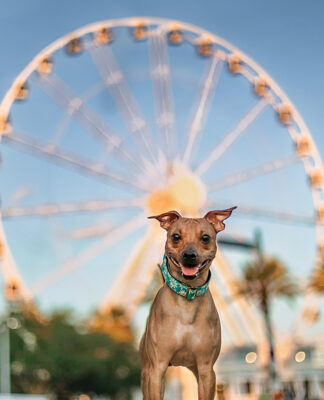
(191, 340)
(193, 326)
(183, 331)
(186, 334)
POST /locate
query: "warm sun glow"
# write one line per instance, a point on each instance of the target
(159, 202)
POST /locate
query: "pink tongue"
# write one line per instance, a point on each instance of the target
(189, 271)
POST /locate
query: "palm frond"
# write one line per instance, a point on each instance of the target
(270, 278)
(316, 282)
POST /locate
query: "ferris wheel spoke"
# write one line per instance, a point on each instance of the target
(76, 108)
(204, 98)
(232, 136)
(251, 173)
(91, 231)
(275, 215)
(116, 83)
(63, 157)
(85, 256)
(65, 119)
(60, 129)
(281, 216)
(162, 91)
(93, 91)
(46, 210)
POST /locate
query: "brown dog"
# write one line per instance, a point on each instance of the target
(183, 327)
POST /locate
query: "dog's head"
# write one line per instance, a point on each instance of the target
(191, 242)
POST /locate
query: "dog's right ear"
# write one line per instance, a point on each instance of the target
(167, 219)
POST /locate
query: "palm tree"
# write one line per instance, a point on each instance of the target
(263, 280)
(316, 283)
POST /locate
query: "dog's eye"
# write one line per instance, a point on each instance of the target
(205, 238)
(176, 237)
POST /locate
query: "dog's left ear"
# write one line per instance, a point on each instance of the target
(217, 217)
(167, 219)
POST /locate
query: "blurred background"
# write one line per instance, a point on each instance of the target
(114, 111)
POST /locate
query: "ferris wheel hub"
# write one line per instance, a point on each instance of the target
(183, 192)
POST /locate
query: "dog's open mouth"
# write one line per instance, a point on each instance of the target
(190, 271)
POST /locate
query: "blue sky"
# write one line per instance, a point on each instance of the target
(283, 37)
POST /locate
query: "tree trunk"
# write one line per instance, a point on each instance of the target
(271, 367)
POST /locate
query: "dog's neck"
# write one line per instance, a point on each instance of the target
(181, 288)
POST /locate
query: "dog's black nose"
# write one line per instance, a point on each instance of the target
(189, 256)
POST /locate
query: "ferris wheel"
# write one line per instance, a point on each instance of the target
(221, 135)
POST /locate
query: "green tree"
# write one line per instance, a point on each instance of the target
(263, 280)
(62, 358)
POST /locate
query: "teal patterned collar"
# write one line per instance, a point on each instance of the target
(179, 287)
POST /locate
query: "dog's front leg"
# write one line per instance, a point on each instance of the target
(206, 382)
(153, 381)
